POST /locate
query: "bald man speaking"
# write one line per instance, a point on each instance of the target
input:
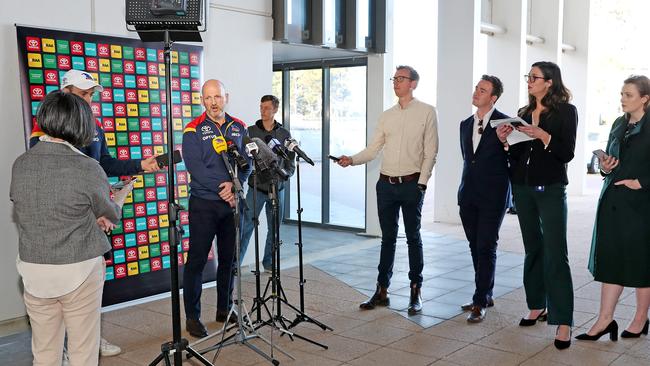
(211, 203)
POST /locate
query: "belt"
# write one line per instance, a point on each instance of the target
(398, 180)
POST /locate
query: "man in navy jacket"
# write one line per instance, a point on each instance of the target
(484, 191)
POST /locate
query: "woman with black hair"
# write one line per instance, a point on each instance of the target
(620, 250)
(539, 179)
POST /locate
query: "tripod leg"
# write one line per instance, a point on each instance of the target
(160, 358)
(198, 356)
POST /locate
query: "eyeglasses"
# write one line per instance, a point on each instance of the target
(399, 79)
(533, 78)
(480, 126)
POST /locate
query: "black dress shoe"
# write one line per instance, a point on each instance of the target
(626, 334)
(379, 298)
(477, 315)
(560, 344)
(530, 322)
(468, 306)
(415, 303)
(222, 314)
(612, 329)
(196, 328)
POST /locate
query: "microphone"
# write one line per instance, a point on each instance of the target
(234, 152)
(276, 146)
(250, 147)
(220, 146)
(265, 159)
(292, 145)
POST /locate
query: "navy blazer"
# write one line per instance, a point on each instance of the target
(485, 180)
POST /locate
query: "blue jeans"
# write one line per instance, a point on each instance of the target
(248, 226)
(390, 198)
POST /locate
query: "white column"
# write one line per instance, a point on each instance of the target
(458, 34)
(546, 22)
(574, 71)
(507, 53)
(380, 97)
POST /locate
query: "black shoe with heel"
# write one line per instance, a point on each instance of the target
(626, 334)
(612, 329)
(530, 322)
(560, 344)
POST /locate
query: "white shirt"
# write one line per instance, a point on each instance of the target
(409, 139)
(476, 137)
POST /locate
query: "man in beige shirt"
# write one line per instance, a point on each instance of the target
(408, 135)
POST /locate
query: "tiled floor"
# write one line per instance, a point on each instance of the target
(341, 273)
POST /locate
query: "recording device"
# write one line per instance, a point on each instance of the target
(163, 160)
(276, 146)
(516, 124)
(119, 185)
(234, 152)
(292, 145)
(265, 160)
(600, 154)
(333, 158)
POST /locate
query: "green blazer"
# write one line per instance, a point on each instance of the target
(623, 211)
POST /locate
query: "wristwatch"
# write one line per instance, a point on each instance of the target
(422, 187)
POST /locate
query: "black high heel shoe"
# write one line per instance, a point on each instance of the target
(560, 344)
(530, 322)
(612, 329)
(626, 334)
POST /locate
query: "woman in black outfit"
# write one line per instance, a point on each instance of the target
(539, 179)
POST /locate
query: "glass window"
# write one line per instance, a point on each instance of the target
(305, 99)
(276, 89)
(363, 12)
(347, 136)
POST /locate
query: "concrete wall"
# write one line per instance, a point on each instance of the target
(237, 49)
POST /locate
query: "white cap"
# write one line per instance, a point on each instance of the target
(81, 80)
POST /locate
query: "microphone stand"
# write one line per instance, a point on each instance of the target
(301, 316)
(245, 329)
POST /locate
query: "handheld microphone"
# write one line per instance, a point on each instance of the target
(251, 147)
(276, 146)
(292, 145)
(234, 152)
(265, 159)
(220, 146)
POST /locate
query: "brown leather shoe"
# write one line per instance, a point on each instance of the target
(468, 306)
(379, 298)
(196, 328)
(477, 315)
(415, 303)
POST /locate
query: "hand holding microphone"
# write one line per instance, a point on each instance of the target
(220, 146)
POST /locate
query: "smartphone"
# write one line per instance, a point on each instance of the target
(516, 124)
(334, 158)
(600, 153)
(119, 185)
(163, 160)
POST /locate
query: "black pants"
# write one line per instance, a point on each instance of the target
(207, 220)
(482, 231)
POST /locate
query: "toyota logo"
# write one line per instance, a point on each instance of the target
(33, 43)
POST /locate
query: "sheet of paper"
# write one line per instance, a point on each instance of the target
(515, 136)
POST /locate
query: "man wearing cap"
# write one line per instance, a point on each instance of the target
(84, 85)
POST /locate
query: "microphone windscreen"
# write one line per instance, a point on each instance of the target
(265, 152)
(219, 144)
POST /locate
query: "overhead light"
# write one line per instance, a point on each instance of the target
(492, 29)
(531, 39)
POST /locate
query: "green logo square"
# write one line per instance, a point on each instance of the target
(49, 61)
(133, 124)
(183, 58)
(118, 229)
(138, 195)
(149, 180)
(35, 76)
(154, 96)
(164, 234)
(122, 138)
(175, 71)
(127, 52)
(116, 66)
(144, 110)
(112, 151)
(63, 46)
(144, 266)
(105, 80)
(196, 110)
(154, 250)
(127, 211)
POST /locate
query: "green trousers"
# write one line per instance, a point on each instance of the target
(542, 213)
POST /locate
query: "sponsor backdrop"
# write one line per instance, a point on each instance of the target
(132, 111)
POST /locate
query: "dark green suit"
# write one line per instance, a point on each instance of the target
(620, 248)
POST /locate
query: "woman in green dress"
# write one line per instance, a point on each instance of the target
(620, 250)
